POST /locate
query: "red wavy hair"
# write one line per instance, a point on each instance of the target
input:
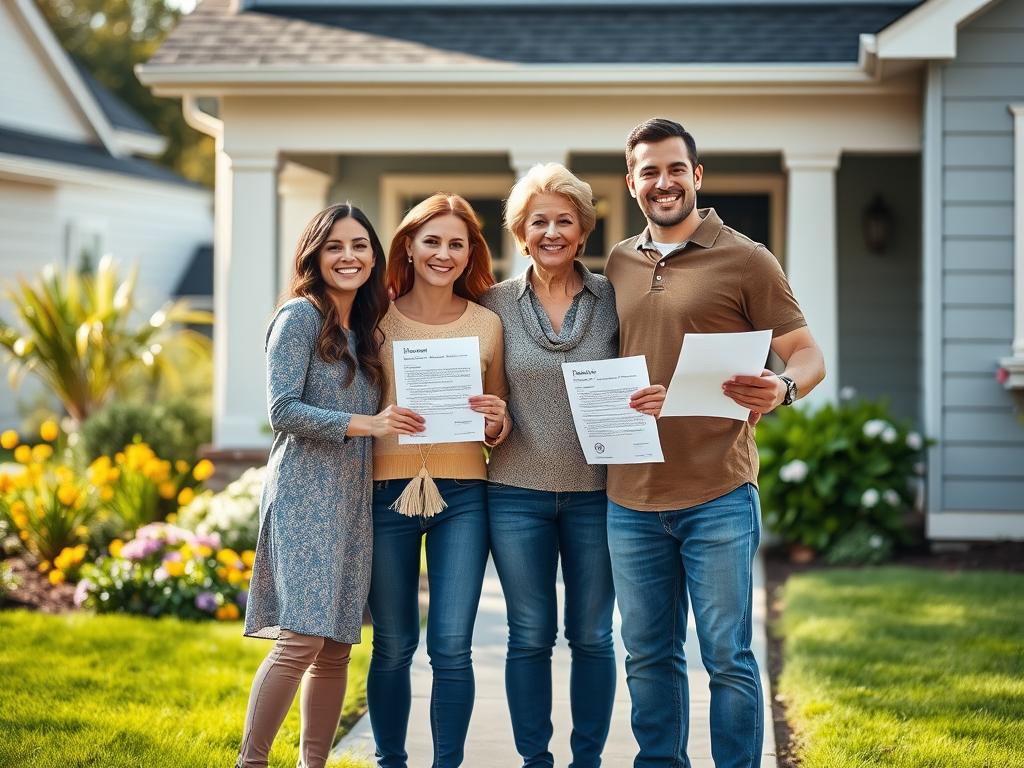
(477, 276)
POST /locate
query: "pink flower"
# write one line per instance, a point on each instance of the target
(211, 540)
(82, 592)
(1002, 375)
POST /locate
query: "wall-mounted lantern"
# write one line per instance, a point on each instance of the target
(877, 224)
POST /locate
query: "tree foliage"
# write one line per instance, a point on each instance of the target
(109, 37)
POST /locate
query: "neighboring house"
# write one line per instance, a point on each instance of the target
(72, 184)
(870, 144)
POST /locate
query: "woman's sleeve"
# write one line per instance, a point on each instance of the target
(291, 345)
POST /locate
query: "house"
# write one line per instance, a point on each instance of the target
(75, 182)
(877, 146)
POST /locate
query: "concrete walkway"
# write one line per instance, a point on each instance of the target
(490, 743)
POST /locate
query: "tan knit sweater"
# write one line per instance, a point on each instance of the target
(464, 461)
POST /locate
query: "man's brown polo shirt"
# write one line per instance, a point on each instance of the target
(717, 282)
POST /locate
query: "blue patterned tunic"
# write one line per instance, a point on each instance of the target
(312, 568)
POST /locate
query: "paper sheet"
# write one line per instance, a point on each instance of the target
(436, 378)
(611, 432)
(708, 360)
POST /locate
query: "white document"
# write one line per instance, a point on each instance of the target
(610, 431)
(708, 360)
(436, 378)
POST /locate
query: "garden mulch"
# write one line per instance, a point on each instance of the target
(977, 556)
(35, 591)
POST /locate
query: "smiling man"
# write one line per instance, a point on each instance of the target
(692, 524)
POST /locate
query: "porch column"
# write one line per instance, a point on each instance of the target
(302, 193)
(811, 255)
(521, 161)
(1015, 363)
(245, 290)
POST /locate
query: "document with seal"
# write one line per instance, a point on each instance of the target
(436, 378)
(610, 431)
(708, 360)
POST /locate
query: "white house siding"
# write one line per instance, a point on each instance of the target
(27, 241)
(31, 96)
(880, 294)
(982, 452)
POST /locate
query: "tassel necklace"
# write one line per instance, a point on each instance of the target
(420, 497)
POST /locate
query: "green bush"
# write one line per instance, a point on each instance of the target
(174, 430)
(233, 514)
(824, 471)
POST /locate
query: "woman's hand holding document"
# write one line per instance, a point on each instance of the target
(435, 378)
(706, 362)
(610, 430)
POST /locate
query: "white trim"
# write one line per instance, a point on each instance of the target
(929, 31)
(58, 58)
(980, 526)
(1017, 110)
(932, 382)
(136, 143)
(771, 184)
(20, 168)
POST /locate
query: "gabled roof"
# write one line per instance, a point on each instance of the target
(118, 113)
(598, 33)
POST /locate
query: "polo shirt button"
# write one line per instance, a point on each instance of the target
(662, 264)
(658, 277)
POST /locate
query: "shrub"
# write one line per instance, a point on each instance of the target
(166, 570)
(233, 514)
(861, 544)
(824, 471)
(174, 430)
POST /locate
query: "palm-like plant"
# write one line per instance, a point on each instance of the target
(76, 335)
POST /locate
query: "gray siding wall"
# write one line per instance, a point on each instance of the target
(880, 294)
(982, 451)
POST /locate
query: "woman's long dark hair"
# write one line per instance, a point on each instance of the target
(368, 309)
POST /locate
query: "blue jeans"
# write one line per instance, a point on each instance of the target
(529, 530)
(656, 557)
(456, 558)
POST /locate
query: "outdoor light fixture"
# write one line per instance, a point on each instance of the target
(877, 223)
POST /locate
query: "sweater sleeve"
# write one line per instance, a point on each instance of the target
(291, 344)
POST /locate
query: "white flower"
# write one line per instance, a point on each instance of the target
(847, 393)
(889, 435)
(891, 497)
(876, 541)
(793, 472)
(919, 468)
(875, 427)
(232, 513)
(869, 498)
(914, 441)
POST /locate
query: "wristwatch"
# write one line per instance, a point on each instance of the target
(790, 389)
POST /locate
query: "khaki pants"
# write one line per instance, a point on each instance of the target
(273, 691)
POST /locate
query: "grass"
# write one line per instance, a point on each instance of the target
(905, 668)
(112, 691)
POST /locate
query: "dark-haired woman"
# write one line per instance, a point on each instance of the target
(438, 266)
(312, 569)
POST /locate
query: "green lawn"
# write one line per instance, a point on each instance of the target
(111, 691)
(905, 668)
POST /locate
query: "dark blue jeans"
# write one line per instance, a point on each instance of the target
(456, 549)
(656, 557)
(529, 530)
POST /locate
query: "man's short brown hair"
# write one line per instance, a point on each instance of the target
(658, 129)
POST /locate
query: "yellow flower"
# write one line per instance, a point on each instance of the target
(9, 439)
(234, 576)
(181, 467)
(44, 566)
(42, 452)
(102, 463)
(248, 557)
(106, 493)
(23, 535)
(227, 612)
(172, 518)
(6, 482)
(18, 507)
(204, 551)
(167, 490)
(222, 573)
(119, 458)
(174, 567)
(81, 531)
(23, 454)
(57, 578)
(48, 431)
(185, 497)
(67, 494)
(186, 551)
(247, 576)
(34, 471)
(23, 480)
(227, 557)
(20, 520)
(64, 474)
(203, 470)
(115, 547)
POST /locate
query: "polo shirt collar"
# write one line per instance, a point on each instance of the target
(704, 235)
(523, 281)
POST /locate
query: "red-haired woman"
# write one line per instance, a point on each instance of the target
(438, 266)
(312, 567)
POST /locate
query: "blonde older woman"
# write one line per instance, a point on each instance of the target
(544, 500)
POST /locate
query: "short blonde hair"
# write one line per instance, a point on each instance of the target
(550, 179)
